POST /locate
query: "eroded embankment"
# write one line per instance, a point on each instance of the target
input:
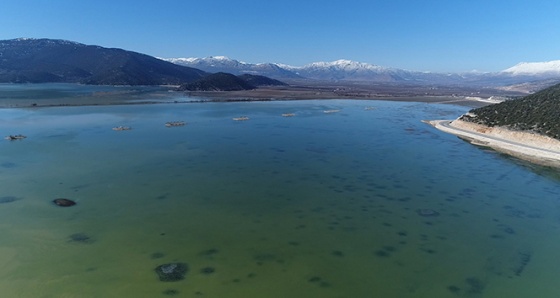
(532, 147)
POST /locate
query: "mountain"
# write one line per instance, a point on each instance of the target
(550, 68)
(538, 113)
(329, 71)
(258, 81)
(26, 60)
(224, 64)
(347, 70)
(218, 82)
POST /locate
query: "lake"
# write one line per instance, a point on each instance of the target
(364, 202)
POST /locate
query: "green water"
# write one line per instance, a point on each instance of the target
(316, 205)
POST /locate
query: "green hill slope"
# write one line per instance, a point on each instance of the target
(257, 80)
(538, 112)
(220, 81)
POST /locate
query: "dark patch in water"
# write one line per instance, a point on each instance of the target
(427, 212)
(170, 292)
(518, 213)
(509, 230)
(8, 199)
(337, 253)
(319, 281)
(523, 259)
(207, 270)
(429, 250)
(261, 258)
(209, 252)
(163, 196)
(157, 255)
(80, 238)
(314, 279)
(454, 289)
(389, 248)
(382, 253)
(8, 165)
(476, 286)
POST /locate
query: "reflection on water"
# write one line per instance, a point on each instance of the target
(359, 203)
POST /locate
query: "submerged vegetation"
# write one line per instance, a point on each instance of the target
(538, 113)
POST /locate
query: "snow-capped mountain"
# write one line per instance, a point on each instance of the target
(332, 71)
(550, 68)
(224, 64)
(347, 70)
(347, 65)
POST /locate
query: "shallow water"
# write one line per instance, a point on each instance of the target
(316, 205)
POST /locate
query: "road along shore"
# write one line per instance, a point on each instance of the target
(532, 147)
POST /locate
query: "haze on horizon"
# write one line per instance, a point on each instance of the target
(432, 35)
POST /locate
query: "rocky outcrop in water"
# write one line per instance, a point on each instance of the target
(172, 271)
(64, 202)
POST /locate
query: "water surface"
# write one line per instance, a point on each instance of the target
(315, 205)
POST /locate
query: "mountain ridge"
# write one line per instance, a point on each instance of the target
(30, 60)
(348, 70)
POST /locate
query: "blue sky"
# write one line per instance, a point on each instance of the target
(425, 35)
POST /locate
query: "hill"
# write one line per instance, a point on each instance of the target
(48, 60)
(538, 113)
(218, 82)
(258, 81)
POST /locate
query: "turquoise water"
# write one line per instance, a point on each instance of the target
(316, 205)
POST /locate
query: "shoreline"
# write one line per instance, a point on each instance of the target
(527, 146)
(68, 94)
(229, 96)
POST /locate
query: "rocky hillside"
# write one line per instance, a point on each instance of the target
(49, 60)
(538, 113)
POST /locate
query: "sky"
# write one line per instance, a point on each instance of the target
(422, 35)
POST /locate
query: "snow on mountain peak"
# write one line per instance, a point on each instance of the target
(535, 68)
(220, 60)
(223, 58)
(347, 65)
